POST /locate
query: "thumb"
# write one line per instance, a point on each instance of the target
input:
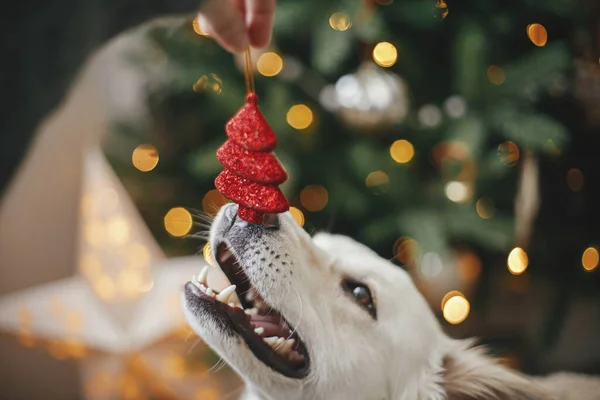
(222, 20)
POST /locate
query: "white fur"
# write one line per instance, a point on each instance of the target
(403, 355)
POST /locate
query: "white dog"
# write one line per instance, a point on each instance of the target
(325, 318)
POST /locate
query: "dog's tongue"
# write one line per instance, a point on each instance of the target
(272, 323)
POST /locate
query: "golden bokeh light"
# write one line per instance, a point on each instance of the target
(209, 83)
(340, 21)
(269, 64)
(145, 157)
(590, 259)
(537, 34)
(197, 28)
(406, 250)
(129, 283)
(517, 261)
(457, 191)
(93, 233)
(208, 255)
(496, 75)
(469, 266)
(299, 116)
(485, 208)
(138, 255)
(314, 197)
(117, 230)
(402, 151)
(105, 287)
(455, 307)
(385, 54)
(178, 221)
(212, 202)
(575, 179)
(509, 153)
(377, 178)
(442, 5)
(91, 266)
(297, 215)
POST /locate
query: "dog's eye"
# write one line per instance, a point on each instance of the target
(361, 294)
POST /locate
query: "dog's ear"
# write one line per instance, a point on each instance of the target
(471, 375)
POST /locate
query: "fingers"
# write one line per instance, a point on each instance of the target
(224, 21)
(260, 21)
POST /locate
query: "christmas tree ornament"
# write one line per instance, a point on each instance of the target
(368, 99)
(252, 171)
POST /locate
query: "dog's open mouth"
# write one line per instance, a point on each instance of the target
(266, 332)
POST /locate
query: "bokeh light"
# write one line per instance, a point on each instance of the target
(469, 266)
(197, 28)
(457, 192)
(117, 230)
(210, 83)
(340, 21)
(402, 151)
(455, 307)
(517, 261)
(485, 208)
(590, 259)
(385, 54)
(208, 255)
(145, 157)
(178, 221)
(509, 153)
(430, 115)
(406, 250)
(377, 178)
(297, 215)
(212, 202)
(496, 75)
(269, 64)
(105, 287)
(299, 116)
(537, 34)
(441, 4)
(314, 197)
(575, 179)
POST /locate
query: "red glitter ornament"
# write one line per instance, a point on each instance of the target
(252, 172)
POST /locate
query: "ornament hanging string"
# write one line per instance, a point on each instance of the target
(248, 72)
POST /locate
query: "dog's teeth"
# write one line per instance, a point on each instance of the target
(225, 293)
(210, 292)
(296, 357)
(259, 331)
(231, 305)
(286, 347)
(280, 341)
(251, 311)
(271, 341)
(203, 274)
(195, 283)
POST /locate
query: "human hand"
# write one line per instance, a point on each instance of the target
(236, 24)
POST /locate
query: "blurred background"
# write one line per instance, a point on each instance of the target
(458, 139)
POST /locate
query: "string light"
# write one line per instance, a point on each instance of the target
(496, 75)
(457, 192)
(314, 197)
(299, 116)
(377, 178)
(590, 259)
(209, 83)
(340, 21)
(297, 215)
(455, 307)
(509, 153)
(178, 221)
(269, 64)
(517, 261)
(484, 208)
(385, 54)
(197, 28)
(537, 34)
(212, 202)
(575, 179)
(402, 151)
(145, 157)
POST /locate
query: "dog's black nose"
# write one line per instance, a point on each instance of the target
(271, 221)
